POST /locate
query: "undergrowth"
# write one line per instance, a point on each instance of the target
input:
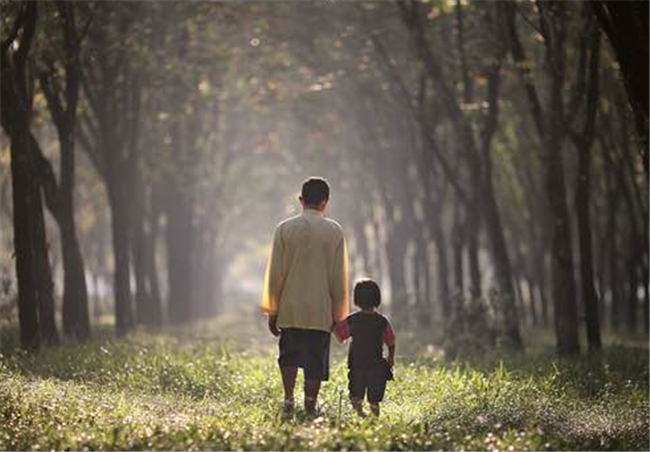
(191, 390)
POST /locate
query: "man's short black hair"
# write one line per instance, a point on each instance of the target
(367, 294)
(315, 190)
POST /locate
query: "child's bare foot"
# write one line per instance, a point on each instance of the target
(358, 407)
(310, 407)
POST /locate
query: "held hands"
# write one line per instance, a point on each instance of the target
(273, 325)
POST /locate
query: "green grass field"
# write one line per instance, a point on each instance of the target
(216, 386)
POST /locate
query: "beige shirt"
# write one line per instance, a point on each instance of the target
(306, 281)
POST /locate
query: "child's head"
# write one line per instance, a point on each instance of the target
(367, 294)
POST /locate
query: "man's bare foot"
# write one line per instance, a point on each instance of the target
(358, 407)
(287, 410)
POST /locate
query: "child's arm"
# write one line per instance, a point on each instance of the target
(391, 355)
(389, 340)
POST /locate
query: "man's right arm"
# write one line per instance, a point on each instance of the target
(273, 281)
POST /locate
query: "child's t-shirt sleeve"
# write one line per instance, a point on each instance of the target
(389, 334)
(342, 330)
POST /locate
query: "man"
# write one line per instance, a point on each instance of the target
(306, 292)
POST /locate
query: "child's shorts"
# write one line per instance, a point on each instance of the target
(372, 382)
(309, 349)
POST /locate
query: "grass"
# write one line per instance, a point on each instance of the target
(216, 386)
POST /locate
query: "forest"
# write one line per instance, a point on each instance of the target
(489, 168)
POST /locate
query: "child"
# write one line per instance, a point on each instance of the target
(367, 369)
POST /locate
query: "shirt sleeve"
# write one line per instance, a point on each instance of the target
(342, 330)
(389, 335)
(339, 284)
(274, 277)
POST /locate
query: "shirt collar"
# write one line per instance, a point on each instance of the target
(312, 212)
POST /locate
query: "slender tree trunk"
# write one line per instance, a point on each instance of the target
(502, 265)
(646, 304)
(142, 294)
(44, 282)
(582, 202)
(396, 247)
(534, 301)
(76, 321)
(24, 205)
(178, 237)
(457, 254)
(124, 319)
(420, 267)
(155, 313)
(472, 257)
(564, 293)
(631, 308)
(442, 271)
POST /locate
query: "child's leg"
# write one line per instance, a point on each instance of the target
(357, 404)
(376, 390)
(357, 390)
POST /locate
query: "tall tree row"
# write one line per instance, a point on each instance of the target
(488, 160)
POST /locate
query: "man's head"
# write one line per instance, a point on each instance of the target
(367, 294)
(315, 194)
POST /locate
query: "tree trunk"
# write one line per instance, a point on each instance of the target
(396, 248)
(631, 308)
(626, 26)
(442, 268)
(60, 197)
(76, 321)
(155, 311)
(44, 283)
(582, 202)
(178, 238)
(457, 254)
(534, 301)
(35, 296)
(564, 292)
(24, 204)
(120, 228)
(142, 294)
(472, 229)
(550, 127)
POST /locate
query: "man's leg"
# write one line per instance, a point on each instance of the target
(311, 395)
(289, 383)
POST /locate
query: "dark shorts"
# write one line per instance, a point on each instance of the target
(309, 349)
(371, 382)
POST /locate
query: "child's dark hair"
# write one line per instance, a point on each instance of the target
(367, 294)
